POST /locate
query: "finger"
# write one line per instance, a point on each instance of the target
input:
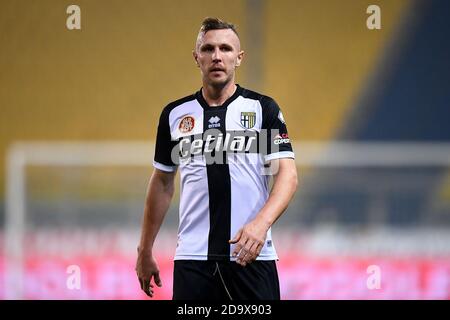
(237, 237)
(247, 253)
(259, 248)
(245, 250)
(157, 279)
(242, 259)
(141, 283)
(147, 289)
(255, 250)
(253, 253)
(242, 254)
(238, 247)
(247, 256)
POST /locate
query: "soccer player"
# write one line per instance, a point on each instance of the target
(220, 138)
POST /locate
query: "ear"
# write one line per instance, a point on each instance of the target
(194, 54)
(239, 59)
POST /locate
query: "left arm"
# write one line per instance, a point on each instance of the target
(250, 239)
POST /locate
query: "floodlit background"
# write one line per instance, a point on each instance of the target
(368, 111)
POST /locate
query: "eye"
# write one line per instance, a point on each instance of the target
(207, 49)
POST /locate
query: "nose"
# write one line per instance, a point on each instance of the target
(216, 57)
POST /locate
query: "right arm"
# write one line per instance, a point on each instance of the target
(159, 194)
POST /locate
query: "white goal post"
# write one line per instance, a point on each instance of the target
(140, 153)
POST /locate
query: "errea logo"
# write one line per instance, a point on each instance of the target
(214, 122)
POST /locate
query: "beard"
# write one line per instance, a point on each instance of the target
(221, 82)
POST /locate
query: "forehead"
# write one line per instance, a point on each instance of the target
(217, 37)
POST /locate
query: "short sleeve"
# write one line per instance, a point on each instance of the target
(164, 145)
(278, 142)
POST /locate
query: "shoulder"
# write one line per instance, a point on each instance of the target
(267, 102)
(271, 112)
(172, 105)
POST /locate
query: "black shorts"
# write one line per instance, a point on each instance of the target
(225, 280)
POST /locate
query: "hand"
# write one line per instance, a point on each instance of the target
(146, 269)
(249, 242)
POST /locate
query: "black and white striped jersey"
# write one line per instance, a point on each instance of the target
(222, 153)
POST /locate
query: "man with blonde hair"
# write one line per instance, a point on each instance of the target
(221, 139)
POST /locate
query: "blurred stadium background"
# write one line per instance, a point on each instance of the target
(368, 111)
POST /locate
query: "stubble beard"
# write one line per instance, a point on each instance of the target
(220, 84)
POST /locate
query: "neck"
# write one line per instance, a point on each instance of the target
(216, 96)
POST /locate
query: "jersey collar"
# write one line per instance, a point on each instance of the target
(204, 104)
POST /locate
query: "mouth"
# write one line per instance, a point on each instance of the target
(217, 70)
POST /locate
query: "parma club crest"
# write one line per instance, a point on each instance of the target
(248, 119)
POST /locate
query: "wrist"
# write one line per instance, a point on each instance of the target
(265, 221)
(146, 250)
